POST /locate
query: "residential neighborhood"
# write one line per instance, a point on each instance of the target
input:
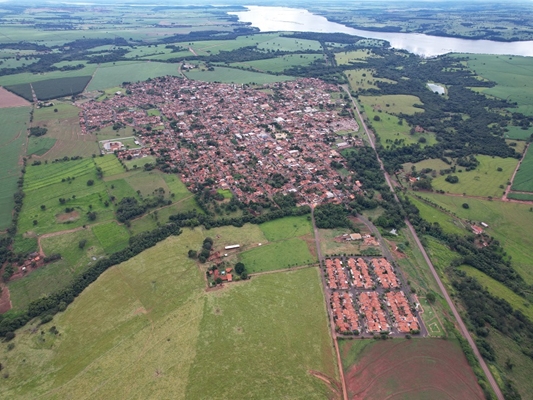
(255, 141)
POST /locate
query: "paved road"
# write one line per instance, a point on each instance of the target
(328, 308)
(460, 322)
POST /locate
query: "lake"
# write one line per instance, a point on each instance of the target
(271, 19)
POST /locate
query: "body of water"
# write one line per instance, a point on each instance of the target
(270, 19)
(436, 88)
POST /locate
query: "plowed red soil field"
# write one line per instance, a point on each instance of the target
(412, 369)
(8, 99)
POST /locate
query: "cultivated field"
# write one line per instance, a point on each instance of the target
(110, 75)
(12, 141)
(147, 328)
(484, 181)
(8, 99)
(408, 369)
(523, 180)
(51, 88)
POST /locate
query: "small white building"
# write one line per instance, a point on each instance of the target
(233, 246)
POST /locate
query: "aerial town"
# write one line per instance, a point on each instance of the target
(353, 285)
(255, 141)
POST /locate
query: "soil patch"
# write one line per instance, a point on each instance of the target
(5, 301)
(406, 369)
(8, 99)
(68, 217)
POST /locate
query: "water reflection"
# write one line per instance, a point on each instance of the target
(269, 19)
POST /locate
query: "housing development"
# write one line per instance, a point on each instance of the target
(377, 294)
(281, 137)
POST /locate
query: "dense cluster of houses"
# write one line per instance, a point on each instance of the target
(255, 141)
(359, 305)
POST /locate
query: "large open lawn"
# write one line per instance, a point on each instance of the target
(287, 228)
(484, 181)
(346, 57)
(408, 369)
(147, 328)
(277, 255)
(363, 78)
(12, 140)
(507, 223)
(523, 180)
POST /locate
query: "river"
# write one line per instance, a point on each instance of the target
(271, 19)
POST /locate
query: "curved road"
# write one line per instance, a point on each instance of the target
(460, 322)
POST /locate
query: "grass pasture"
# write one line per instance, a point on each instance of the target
(523, 180)
(289, 44)
(44, 185)
(280, 64)
(516, 132)
(40, 145)
(287, 228)
(232, 75)
(512, 75)
(393, 103)
(447, 222)
(154, 307)
(484, 181)
(278, 255)
(499, 290)
(56, 275)
(408, 369)
(346, 57)
(363, 78)
(507, 223)
(112, 237)
(12, 140)
(111, 75)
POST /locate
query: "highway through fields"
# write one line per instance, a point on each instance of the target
(460, 322)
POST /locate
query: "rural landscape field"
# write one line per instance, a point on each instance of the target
(226, 201)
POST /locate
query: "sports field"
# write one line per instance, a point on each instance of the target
(523, 180)
(486, 180)
(147, 328)
(408, 369)
(12, 141)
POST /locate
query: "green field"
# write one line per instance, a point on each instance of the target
(484, 181)
(279, 64)
(515, 132)
(40, 145)
(56, 275)
(363, 78)
(112, 237)
(287, 228)
(499, 290)
(512, 75)
(139, 162)
(12, 140)
(232, 75)
(447, 222)
(388, 127)
(507, 223)
(523, 180)
(110, 75)
(278, 255)
(434, 163)
(520, 196)
(28, 77)
(147, 328)
(44, 185)
(206, 47)
(289, 44)
(346, 57)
